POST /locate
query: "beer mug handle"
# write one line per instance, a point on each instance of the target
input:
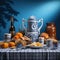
(23, 23)
(41, 20)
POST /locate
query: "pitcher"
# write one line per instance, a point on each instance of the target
(32, 31)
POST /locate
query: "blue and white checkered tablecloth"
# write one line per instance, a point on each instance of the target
(29, 54)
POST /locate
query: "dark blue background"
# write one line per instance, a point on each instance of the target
(48, 10)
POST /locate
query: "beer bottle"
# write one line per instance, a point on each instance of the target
(12, 27)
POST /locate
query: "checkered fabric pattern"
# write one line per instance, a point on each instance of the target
(29, 54)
